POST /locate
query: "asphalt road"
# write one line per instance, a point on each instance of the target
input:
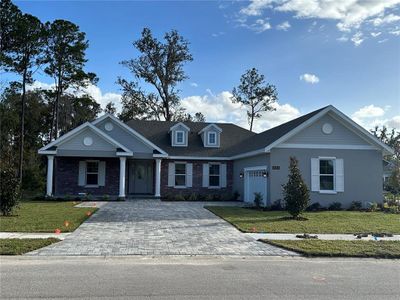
(198, 278)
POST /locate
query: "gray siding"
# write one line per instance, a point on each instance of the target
(205, 139)
(76, 143)
(362, 174)
(140, 149)
(314, 135)
(240, 164)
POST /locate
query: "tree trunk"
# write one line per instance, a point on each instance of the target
(251, 119)
(22, 132)
(57, 104)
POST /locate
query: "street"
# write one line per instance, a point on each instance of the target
(174, 277)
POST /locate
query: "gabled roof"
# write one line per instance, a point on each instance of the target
(51, 147)
(212, 125)
(177, 125)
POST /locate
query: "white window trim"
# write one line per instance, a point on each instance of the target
(86, 173)
(176, 137)
(180, 186)
(209, 140)
(333, 175)
(219, 175)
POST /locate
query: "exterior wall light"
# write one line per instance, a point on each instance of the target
(241, 175)
(265, 174)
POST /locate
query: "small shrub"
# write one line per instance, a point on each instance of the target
(276, 205)
(373, 206)
(216, 197)
(236, 196)
(315, 207)
(258, 197)
(355, 205)
(335, 206)
(179, 197)
(201, 197)
(106, 197)
(209, 197)
(296, 193)
(192, 197)
(9, 190)
(226, 197)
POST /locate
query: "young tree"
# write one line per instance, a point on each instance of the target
(110, 108)
(255, 94)
(65, 60)
(390, 138)
(21, 55)
(160, 65)
(296, 193)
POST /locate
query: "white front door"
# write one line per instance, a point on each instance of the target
(255, 181)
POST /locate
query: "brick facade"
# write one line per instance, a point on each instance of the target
(66, 173)
(197, 184)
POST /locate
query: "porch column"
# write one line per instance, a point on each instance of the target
(122, 167)
(158, 178)
(49, 184)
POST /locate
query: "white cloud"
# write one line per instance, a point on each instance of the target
(219, 108)
(283, 26)
(348, 14)
(394, 122)
(343, 38)
(395, 32)
(357, 38)
(217, 34)
(371, 115)
(92, 90)
(194, 84)
(310, 78)
(376, 34)
(257, 26)
(369, 111)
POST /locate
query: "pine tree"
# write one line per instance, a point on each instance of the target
(296, 193)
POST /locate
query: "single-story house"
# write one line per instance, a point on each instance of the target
(339, 160)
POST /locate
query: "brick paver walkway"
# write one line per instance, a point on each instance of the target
(150, 227)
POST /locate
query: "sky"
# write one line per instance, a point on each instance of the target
(316, 52)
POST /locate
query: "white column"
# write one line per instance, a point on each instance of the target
(158, 178)
(49, 186)
(122, 166)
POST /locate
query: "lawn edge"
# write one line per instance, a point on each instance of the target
(241, 230)
(27, 240)
(311, 254)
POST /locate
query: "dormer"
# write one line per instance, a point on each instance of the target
(211, 136)
(179, 135)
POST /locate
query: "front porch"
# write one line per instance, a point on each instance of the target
(107, 177)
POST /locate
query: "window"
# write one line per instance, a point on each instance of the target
(212, 138)
(326, 175)
(180, 138)
(180, 174)
(92, 173)
(214, 175)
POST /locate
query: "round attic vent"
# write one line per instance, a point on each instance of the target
(88, 141)
(327, 128)
(108, 126)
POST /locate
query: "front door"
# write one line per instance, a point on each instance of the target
(141, 177)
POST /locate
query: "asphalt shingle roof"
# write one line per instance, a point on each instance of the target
(234, 139)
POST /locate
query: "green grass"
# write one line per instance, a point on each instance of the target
(45, 217)
(251, 220)
(377, 249)
(21, 246)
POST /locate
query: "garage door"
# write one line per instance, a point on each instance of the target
(255, 182)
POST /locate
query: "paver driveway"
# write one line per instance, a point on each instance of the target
(150, 227)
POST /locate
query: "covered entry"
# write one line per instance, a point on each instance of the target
(141, 177)
(255, 181)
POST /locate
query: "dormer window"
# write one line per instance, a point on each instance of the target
(180, 137)
(212, 138)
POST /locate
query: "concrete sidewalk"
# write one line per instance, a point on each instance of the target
(35, 235)
(328, 237)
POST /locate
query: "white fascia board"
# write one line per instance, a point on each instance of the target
(130, 130)
(199, 157)
(179, 124)
(160, 155)
(326, 146)
(298, 128)
(249, 154)
(211, 126)
(47, 152)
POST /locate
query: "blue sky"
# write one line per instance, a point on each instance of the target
(349, 51)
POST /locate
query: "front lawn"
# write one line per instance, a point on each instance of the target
(377, 249)
(251, 220)
(21, 246)
(45, 217)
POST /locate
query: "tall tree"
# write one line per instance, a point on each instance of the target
(390, 138)
(65, 59)
(255, 94)
(21, 55)
(160, 64)
(9, 17)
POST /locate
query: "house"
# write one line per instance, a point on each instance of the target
(339, 160)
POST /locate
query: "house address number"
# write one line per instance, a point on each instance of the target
(276, 167)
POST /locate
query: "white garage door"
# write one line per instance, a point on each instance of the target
(255, 182)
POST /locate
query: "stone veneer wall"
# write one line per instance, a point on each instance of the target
(197, 185)
(66, 171)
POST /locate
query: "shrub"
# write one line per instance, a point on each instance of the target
(9, 190)
(296, 193)
(208, 197)
(179, 197)
(216, 197)
(258, 199)
(106, 197)
(335, 206)
(355, 205)
(373, 206)
(226, 197)
(236, 196)
(315, 207)
(192, 197)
